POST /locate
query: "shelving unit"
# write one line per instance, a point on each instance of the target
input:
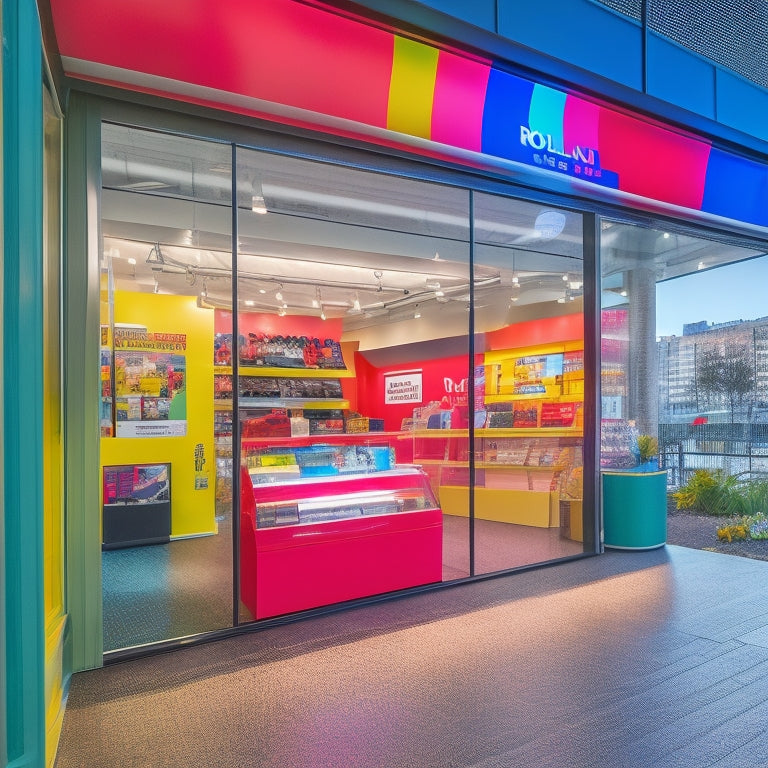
(519, 473)
(530, 448)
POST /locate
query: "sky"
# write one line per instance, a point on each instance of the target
(735, 292)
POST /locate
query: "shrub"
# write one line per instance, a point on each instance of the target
(733, 532)
(647, 448)
(752, 498)
(712, 493)
(758, 527)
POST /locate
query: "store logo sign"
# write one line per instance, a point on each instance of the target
(452, 386)
(543, 141)
(581, 162)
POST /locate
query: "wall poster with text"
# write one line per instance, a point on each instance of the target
(150, 383)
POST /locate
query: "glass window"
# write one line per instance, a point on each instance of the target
(529, 384)
(166, 463)
(352, 348)
(651, 377)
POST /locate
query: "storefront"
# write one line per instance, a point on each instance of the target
(371, 318)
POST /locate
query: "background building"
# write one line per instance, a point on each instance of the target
(743, 395)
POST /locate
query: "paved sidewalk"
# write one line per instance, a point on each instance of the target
(626, 660)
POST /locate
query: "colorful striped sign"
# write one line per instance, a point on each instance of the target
(301, 62)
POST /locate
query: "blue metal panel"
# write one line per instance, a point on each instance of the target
(742, 104)
(680, 77)
(23, 657)
(581, 33)
(481, 13)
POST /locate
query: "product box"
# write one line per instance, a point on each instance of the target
(326, 426)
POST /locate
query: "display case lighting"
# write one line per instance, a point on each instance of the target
(258, 205)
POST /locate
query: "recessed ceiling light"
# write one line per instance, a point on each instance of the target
(249, 302)
(132, 261)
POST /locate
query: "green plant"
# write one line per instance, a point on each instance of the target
(711, 493)
(758, 527)
(733, 532)
(647, 447)
(752, 498)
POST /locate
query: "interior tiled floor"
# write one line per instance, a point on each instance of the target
(624, 660)
(165, 591)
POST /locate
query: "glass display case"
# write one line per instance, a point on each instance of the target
(333, 519)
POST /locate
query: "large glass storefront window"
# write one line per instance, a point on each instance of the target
(167, 506)
(352, 294)
(358, 383)
(529, 383)
(654, 431)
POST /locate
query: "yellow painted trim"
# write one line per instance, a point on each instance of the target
(252, 402)
(54, 687)
(498, 355)
(412, 88)
(286, 373)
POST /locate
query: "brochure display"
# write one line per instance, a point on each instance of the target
(323, 522)
(136, 505)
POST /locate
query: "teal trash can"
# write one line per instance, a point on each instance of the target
(634, 509)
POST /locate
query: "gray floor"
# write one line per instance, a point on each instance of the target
(622, 660)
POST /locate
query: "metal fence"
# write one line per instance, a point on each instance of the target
(736, 449)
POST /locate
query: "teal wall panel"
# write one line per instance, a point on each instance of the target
(481, 13)
(22, 387)
(581, 33)
(742, 105)
(680, 77)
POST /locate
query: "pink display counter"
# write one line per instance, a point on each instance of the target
(312, 542)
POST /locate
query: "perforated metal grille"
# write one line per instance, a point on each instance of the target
(732, 34)
(630, 8)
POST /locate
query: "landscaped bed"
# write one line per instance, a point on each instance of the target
(720, 513)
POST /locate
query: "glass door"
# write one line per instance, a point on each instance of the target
(166, 462)
(529, 383)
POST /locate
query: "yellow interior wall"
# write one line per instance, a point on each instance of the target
(192, 510)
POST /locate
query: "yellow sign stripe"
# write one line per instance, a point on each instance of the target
(412, 88)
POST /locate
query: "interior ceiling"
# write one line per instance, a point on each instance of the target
(342, 242)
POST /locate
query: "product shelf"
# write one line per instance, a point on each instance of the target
(511, 432)
(283, 402)
(285, 373)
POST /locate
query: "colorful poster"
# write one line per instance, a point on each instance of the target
(150, 386)
(533, 373)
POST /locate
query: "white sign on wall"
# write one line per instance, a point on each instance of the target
(402, 387)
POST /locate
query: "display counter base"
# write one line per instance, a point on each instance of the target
(536, 508)
(133, 525)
